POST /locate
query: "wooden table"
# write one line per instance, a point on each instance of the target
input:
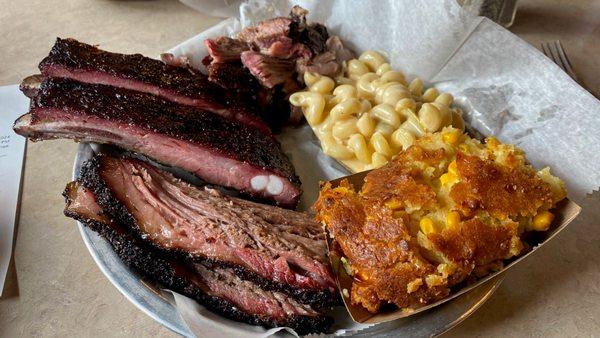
(54, 287)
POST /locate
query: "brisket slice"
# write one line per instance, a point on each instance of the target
(279, 249)
(265, 30)
(225, 49)
(72, 59)
(272, 103)
(215, 149)
(218, 289)
(269, 70)
(313, 35)
(246, 84)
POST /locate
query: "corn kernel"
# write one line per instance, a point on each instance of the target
(447, 178)
(446, 269)
(434, 280)
(492, 142)
(393, 203)
(501, 216)
(361, 275)
(451, 137)
(414, 285)
(542, 221)
(453, 168)
(426, 225)
(452, 218)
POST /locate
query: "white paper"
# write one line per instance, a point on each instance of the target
(506, 87)
(12, 147)
(195, 49)
(204, 323)
(511, 90)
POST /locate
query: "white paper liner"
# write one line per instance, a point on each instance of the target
(205, 323)
(506, 87)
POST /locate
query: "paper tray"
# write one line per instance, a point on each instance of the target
(565, 212)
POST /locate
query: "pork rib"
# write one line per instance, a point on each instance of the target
(219, 289)
(72, 59)
(215, 149)
(281, 250)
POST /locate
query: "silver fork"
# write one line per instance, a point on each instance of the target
(555, 51)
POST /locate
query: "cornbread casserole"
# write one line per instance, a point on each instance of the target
(446, 210)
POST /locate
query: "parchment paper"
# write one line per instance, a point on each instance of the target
(12, 148)
(506, 87)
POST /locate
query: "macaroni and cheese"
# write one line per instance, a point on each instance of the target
(369, 114)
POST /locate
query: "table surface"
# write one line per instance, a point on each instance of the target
(55, 289)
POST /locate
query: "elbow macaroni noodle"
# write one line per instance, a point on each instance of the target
(371, 113)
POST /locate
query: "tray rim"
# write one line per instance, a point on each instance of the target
(179, 327)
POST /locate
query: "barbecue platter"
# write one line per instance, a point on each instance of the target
(439, 211)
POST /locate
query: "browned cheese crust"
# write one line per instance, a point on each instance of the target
(380, 247)
(502, 190)
(398, 234)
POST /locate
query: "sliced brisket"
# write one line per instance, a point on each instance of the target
(272, 103)
(342, 53)
(324, 64)
(224, 49)
(270, 29)
(218, 289)
(312, 35)
(279, 249)
(270, 71)
(215, 149)
(85, 63)
(245, 84)
(277, 53)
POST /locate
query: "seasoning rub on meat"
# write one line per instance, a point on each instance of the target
(78, 61)
(279, 249)
(218, 289)
(213, 148)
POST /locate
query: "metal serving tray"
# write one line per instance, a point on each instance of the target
(158, 306)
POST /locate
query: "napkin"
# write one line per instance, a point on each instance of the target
(12, 148)
(505, 86)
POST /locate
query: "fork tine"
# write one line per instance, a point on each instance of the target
(545, 50)
(560, 58)
(565, 60)
(555, 57)
(550, 49)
